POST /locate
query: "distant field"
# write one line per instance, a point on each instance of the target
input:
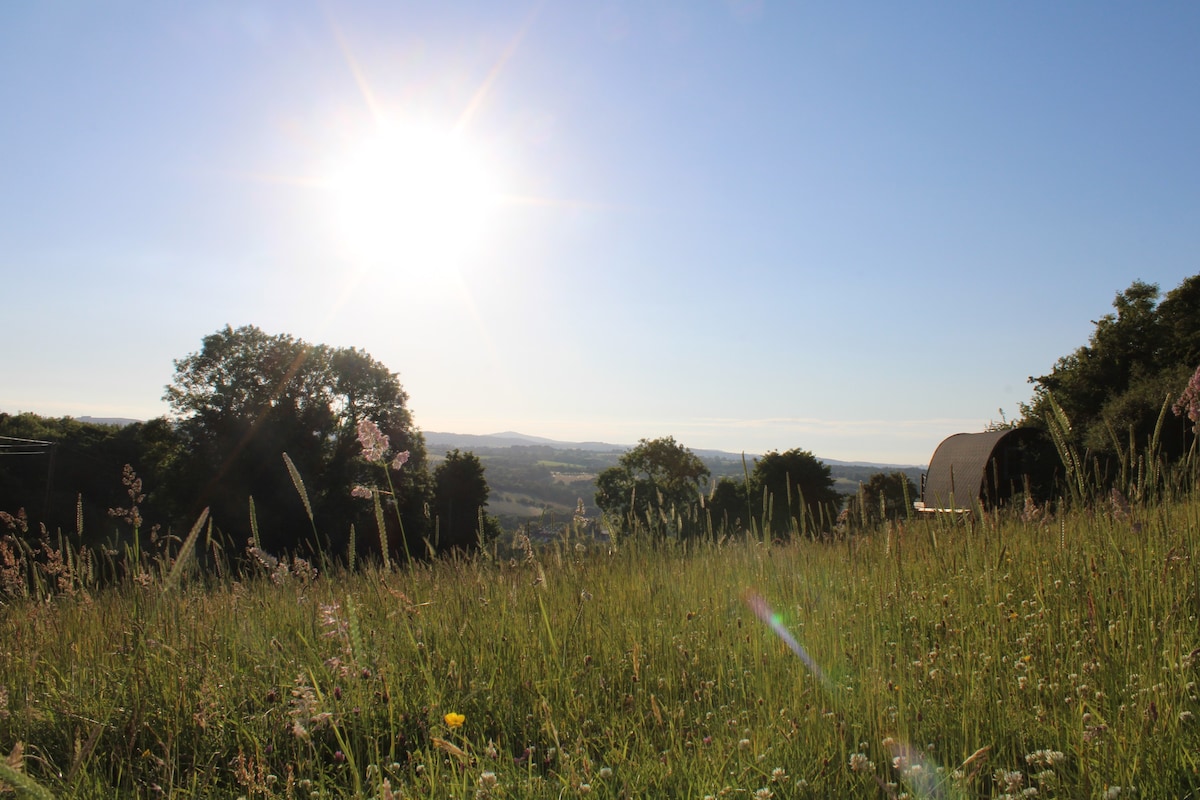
(525, 506)
(573, 477)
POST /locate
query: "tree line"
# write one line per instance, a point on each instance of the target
(1118, 390)
(267, 433)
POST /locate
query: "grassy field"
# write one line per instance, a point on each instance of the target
(1052, 657)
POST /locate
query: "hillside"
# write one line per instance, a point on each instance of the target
(533, 477)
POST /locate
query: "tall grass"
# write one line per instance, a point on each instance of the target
(957, 659)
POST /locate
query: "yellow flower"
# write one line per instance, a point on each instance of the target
(454, 720)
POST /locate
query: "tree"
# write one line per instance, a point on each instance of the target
(657, 484)
(247, 397)
(797, 491)
(73, 482)
(1113, 389)
(883, 496)
(460, 497)
(727, 507)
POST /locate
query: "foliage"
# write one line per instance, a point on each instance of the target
(247, 397)
(1188, 403)
(460, 495)
(728, 507)
(797, 493)
(658, 483)
(1113, 388)
(886, 496)
(1025, 652)
(71, 484)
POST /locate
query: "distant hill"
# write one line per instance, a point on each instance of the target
(438, 440)
(120, 422)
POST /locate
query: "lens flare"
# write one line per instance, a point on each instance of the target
(923, 778)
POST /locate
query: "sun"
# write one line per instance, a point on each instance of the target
(412, 196)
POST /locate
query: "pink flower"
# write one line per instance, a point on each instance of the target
(374, 442)
(361, 491)
(400, 460)
(1189, 402)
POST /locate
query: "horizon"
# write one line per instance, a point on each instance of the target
(525, 436)
(855, 230)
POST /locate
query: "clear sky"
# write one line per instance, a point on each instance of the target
(854, 228)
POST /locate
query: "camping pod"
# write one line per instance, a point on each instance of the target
(987, 469)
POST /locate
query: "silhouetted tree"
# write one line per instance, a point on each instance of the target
(797, 491)
(657, 484)
(247, 397)
(460, 498)
(1113, 388)
(727, 507)
(884, 496)
(76, 479)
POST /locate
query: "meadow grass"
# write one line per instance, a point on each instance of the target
(1003, 657)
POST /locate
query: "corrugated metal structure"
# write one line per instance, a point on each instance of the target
(987, 468)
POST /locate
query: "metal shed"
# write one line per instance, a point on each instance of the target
(988, 468)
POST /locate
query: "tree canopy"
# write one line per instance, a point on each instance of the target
(657, 484)
(248, 397)
(1138, 358)
(886, 495)
(797, 492)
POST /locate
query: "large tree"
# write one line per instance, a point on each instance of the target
(658, 484)
(1114, 387)
(797, 492)
(248, 397)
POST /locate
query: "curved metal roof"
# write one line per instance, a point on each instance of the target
(957, 469)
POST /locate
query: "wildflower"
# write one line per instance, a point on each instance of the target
(374, 442)
(763, 794)
(743, 744)
(454, 720)
(1189, 404)
(361, 491)
(1011, 779)
(605, 773)
(1045, 758)
(860, 763)
(14, 523)
(400, 460)
(133, 486)
(487, 779)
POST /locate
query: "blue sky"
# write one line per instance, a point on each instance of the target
(854, 228)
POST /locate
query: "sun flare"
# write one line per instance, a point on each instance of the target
(412, 197)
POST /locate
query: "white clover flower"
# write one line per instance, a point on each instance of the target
(860, 763)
